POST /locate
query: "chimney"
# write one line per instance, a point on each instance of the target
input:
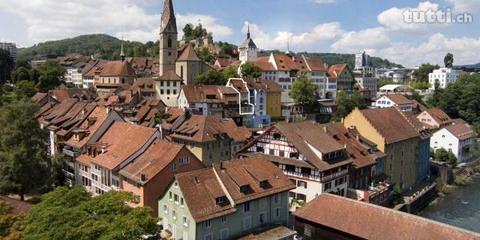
(143, 178)
(221, 165)
(197, 180)
(104, 148)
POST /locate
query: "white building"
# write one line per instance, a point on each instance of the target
(394, 100)
(248, 49)
(10, 48)
(442, 77)
(457, 138)
(361, 60)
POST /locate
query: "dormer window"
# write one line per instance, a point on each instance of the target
(265, 184)
(245, 189)
(222, 201)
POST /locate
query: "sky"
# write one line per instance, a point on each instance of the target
(380, 27)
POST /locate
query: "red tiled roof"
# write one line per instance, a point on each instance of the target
(90, 125)
(440, 116)
(369, 221)
(122, 140)
(460, 129)
(264, 84)
(200, 188)
(170, 76)
(336, 70)
(399, 99)
(188, 54)
(117, 68)
(391, 124)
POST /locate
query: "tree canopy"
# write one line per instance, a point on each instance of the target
(50, 76)
(304, 92)
(448, 60)
(73, 214)
(421, 74)
(9, 223)
(24, 164)
(210, 77)
(249, 69)
(346, 103)
(443, 155)
(230, 72)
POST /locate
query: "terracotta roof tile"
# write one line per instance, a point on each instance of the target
(189, 54)
(460, 129)
(117, 68)
(440, 116)
(399, 99)
(369, 221)
(88, 127)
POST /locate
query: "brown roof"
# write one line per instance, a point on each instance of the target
(169, 76)
(276, 232)
(309, 136)
(200, 188)
(362, 153)
(440, 116)
(264, 84)
(188, 54)
(18, 207)
(157, 156)
(117, 68)
(38, 97)
(399, 99)
(336, 70)
(315, 63)
(121, 141)
(239, 84)
(369, 221)
(206, 93)
(200, 128)
(262, 63)
(460, 129)
(390, 123)
(89, 125)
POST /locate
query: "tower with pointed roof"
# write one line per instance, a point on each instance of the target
(168, 39)
(248, 49)
(168, 84)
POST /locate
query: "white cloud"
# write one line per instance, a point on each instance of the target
(302, 41)
(323, 1)
(357, 41)
(395, 18)
(57, 19)
(470, 6)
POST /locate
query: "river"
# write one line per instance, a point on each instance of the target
(460, 208)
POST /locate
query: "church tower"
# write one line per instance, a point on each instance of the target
(168, 39)
(248, 49)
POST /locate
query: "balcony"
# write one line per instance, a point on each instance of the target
(69, 152)
(68, 174)
(333, 176)
(301, 175)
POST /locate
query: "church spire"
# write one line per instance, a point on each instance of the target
(169, 23)
(122, 53)
(248, 30)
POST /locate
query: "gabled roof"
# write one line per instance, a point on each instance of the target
(362, 153)
(370, 221)
(399, 99)
(336, 70)
(157, 156)
(264, 64)
(121, 140)
(206, 93)
(117, 68)
(440, 116)
(89, 126)
(201, 188)
(311, 139)
(264, 84)
(239, 84)
(189, 54)
(390, 123)
(460, 129)
(169, 76)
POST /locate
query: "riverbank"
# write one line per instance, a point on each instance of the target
(458, 204)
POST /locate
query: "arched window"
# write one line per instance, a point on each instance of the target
(169, 42)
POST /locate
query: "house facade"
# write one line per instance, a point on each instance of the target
(457, 138)
(442, 77)
(394, 100)
(226, 201)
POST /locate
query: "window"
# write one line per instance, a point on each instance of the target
(165, 209)
(207, 224)
(185, 221)
(302, 184)
(224, 234)
(169, 42)
(224, 219)
(181, 201)
(271, 152)
(246, 207)
(174, 167)
(170, 196)
(275, 198)
(174, 214)
(261, 218)
(281, 153)
(277, 212)
(168, 91)
(168, 84)
(175, 198)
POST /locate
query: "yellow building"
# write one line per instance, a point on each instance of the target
(274, 95)
(395, 136)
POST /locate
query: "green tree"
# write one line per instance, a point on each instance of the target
(51, 76)
(160, 116)
(24, 164)
(383, 82)
(304, 92)
(441, 155)
(346, 103)
(204, 54)
(448, 60)
(9, 222)
(188, 32)
(421, 74)
(20, 74)
(250, 70)
(210, 77)
(74, 214)
(421, 85)
(417, 97)
(230, 72)
(6, 65)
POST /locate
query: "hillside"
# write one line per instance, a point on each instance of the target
(99, 45)
(108, 47)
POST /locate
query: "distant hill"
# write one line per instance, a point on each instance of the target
(108, 47)
(101, 45)
(336, 58)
